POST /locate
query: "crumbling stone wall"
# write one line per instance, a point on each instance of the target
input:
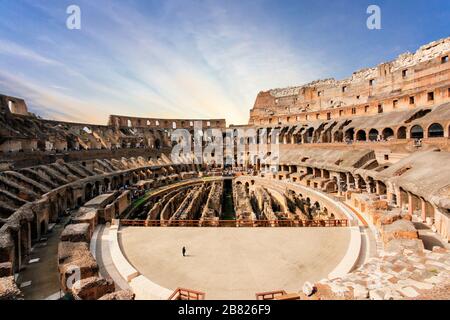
(213, 206)
(364, 92)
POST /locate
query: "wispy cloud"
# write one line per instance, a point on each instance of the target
(15, 50)
(172, 58)
(203, 62)
(50, 102)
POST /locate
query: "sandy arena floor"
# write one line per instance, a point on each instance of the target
(232, 263)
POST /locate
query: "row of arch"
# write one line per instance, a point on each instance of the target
(435, 130)
(330, 133)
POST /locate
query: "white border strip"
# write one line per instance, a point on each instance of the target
(93, 243)
(354, 248)
(351, 256)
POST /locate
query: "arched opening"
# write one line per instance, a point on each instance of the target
(401, 133)
(309, 135)
(371, 186)
(34, 230)
(43, 228)
(97, 189)
(334, 185)
(351, 182)
(362, 182)
(382, 190)
(373, 135)
(53, 212)
(70, 198)
(337, 136)
(24, 239)
(88, 192)
(427, 210)
(361, 135)
(349, 134)
(417, 132)
(435, 131)
(11, 106)
(403, 198)
(157, 144)
(387, 133)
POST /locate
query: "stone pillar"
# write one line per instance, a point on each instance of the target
(19, 251)
(389, 197)
(377, 185)
(424, 210)
(38, 231)
(368, 187)
(410, 204)
(357, 183)
(339, 185)
(29, 237)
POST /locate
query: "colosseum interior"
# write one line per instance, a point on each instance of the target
(355, 203)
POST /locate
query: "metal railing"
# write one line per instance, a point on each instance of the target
(237, 223)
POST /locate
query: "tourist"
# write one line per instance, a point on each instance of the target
(184, 251)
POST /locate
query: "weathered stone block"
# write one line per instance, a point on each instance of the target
(77, 233)
(398, 245)
(119, 295)
(388, 218)
(331, 291)
(86, 215)
(400, 229)
(75, 260)
(92, 288)
(9, 289)
(107, 214)
(380, 205)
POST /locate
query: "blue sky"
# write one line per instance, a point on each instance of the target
(194, 59)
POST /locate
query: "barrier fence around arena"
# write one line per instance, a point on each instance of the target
(187, 294)
(236, 223)
(272, 295)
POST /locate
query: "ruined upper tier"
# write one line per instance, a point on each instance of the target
(413, 79)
